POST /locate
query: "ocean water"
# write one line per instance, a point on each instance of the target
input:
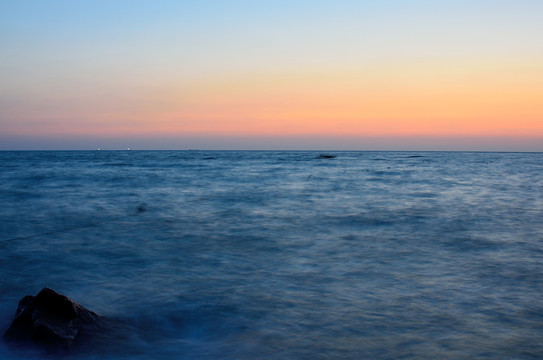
(281, 255)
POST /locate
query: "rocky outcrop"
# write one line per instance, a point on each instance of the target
(326, 156)
(51, 320)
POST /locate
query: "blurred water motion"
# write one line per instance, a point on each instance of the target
(282, 255)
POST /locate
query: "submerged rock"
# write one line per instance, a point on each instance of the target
(141, 208)
(51, 320)
(326, 156)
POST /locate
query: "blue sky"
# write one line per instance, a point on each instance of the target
(156, 71)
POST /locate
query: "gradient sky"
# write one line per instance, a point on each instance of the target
(234, 74)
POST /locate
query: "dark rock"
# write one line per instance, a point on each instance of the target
(141, 208)
(51, 320)
(326, 156)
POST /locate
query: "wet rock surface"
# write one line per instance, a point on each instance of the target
(52, 320)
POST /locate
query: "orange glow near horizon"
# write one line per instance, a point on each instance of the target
(399, 100)
(384, 100)
(252, 70)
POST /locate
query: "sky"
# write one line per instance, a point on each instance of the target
(253, 74)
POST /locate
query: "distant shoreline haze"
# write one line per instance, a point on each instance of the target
(494, 144)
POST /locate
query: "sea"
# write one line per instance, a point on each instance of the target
(280, 254)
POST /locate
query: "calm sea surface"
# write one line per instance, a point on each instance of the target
(281, 255)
